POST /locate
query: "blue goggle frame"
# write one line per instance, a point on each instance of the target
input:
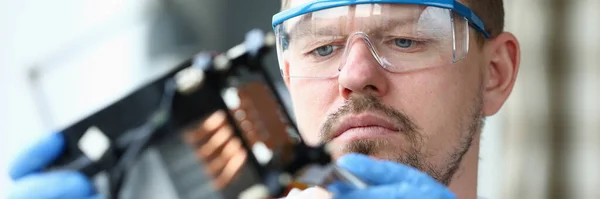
(317, 5)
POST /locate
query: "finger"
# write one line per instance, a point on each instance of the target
(379, 172)
(218, 140)
(217, 164)
(38, 156)
(60, 184)
(400, 191)
(340, 188)
(231, 170)
(206, 128)
(214, 121)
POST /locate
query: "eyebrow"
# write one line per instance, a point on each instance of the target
(300, 30)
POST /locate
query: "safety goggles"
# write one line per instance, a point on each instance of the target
(318, 38)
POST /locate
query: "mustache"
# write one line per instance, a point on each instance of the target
(367, 103)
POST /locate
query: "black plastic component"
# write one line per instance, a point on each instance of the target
(137, 109)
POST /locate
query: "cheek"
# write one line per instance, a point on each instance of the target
(312, 99)
(437, 100)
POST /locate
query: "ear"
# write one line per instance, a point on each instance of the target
(503, 65)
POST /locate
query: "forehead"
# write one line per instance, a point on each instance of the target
(361, 11)
(376, 10)
(294, 3)
(367, 18)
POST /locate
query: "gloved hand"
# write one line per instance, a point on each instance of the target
(30, 182)
(387, 180)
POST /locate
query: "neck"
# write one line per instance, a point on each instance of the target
(464, 181)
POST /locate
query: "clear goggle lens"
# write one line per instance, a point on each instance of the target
(398, 37)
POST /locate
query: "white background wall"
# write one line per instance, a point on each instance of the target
(78, 45)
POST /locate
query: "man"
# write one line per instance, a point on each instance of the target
(416, 101)
(406, 83)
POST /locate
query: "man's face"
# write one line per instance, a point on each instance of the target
(425, 118)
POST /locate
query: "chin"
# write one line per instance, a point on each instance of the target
(378, 148)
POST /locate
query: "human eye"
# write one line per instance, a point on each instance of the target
(322, 52)
(408, 45)
(404, 43)
(321, 47)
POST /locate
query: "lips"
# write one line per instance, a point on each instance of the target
(363, 121)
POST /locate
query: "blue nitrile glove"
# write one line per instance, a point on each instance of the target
(387, 179)
(31, 182)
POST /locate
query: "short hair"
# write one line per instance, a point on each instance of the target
(491, 13)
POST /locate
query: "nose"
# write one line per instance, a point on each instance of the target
(361, 73)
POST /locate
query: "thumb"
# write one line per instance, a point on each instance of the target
(38, 156)
(62, 184)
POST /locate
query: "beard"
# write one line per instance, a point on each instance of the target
(411, 154)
